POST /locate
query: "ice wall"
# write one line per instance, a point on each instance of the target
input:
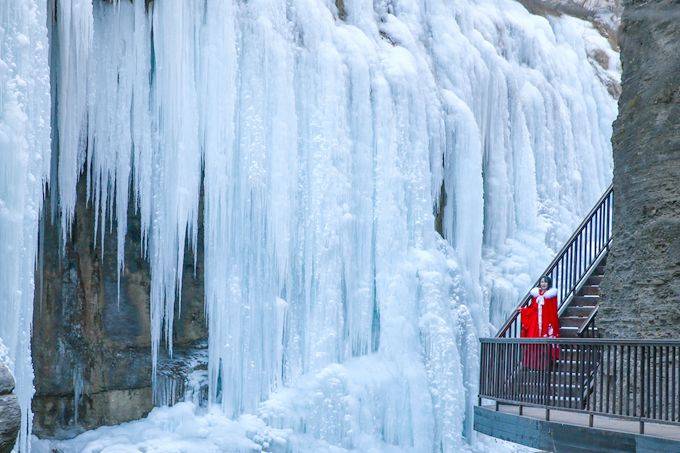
(24, 168)
(327, 141)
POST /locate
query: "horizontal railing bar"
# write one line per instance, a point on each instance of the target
(582, 341)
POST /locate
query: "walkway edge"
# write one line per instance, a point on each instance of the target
(563, 437)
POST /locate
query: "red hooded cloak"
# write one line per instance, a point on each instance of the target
(540, 320)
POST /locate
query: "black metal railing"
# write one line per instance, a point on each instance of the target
(630, 379)
(589, 329)
(577, 259)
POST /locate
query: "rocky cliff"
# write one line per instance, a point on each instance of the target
(10, 415)
(641, 288)
(91, 339)
(604, 14)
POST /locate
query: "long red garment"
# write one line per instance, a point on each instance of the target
(540, 320)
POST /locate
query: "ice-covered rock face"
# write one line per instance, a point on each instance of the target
(327, 146)
(24, 167)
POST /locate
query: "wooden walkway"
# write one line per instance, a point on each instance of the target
(569, 431)
(579, 419)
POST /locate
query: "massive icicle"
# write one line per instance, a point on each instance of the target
(24, 167)
(324, 139)
(74, 35)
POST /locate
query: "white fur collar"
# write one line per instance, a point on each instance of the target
(552, 292)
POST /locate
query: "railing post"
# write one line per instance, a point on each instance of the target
(482, 369)
(642, 383)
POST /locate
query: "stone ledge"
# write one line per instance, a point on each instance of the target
(55, 416)
(10, 414)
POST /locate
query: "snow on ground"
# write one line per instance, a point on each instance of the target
(184, 428)
(180, 428)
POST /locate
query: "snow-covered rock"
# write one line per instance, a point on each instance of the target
(10, 415)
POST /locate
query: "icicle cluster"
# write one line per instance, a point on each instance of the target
(24, 168)
(327, 142)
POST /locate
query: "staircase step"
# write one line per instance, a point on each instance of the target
(561, 374)
(572, 373)
(599, 270)
(568, 332)
(584, 359)
(590, 290)
(595, 280)
(567, 358)
(573, 310)
(563, 390)
(566, 399)
(573, 321)
(585, 301)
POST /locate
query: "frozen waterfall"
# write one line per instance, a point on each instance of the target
(24, 169)
(326, 143)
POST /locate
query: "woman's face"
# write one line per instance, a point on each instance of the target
(544, 284)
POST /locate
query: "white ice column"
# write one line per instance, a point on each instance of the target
(176, 158)
(24, 168)
(73, 33)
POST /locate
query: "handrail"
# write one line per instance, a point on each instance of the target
(589, 321)
(576, 259)
(583, 341)
(636, 379)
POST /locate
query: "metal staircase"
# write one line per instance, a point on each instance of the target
(577, 319)
(618, 380)
(577, 272)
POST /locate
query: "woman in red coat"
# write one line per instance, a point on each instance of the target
(540, 320)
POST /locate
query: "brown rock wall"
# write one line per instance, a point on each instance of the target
(88, 334)
(10, 416)
(641, 288)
